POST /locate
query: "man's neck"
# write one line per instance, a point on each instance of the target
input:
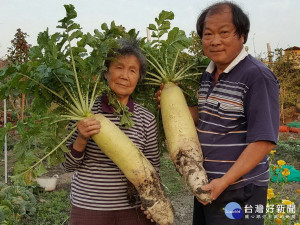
(216, 76)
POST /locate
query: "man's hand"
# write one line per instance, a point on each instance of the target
(216, 186)
(158, 94)
(250, 157)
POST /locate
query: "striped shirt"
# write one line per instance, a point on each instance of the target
(240, 109)
(98, 183)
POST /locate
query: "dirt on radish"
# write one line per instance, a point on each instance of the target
(182, 140)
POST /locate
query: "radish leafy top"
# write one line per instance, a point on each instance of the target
(165, 49)
(64, 80)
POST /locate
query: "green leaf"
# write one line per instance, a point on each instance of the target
(77, 50)
(2, 72)
(74, 26)
(76, 34)
(165, 25)
(4, 131)
(71, 13)
(152, 27)
(132, 34)
(40, 170)
(163, 16)
(104, 27)
(64, 149)
(161, 33)
(35, 52)
(120, 109)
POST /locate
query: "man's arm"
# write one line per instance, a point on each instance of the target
(251, 156)
(194, 113)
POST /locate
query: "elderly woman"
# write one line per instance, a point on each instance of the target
(99, 189)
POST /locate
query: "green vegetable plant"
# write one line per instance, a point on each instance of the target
(64, 80)
(16, 203)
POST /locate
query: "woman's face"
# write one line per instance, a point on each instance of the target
(123, 75)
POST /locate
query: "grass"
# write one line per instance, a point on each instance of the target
(53, 208)
(171, 179)
(289, 151)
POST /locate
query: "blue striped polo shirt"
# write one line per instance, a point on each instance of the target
(242, 108)
(98, 183)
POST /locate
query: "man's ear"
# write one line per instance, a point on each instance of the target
(243, 38)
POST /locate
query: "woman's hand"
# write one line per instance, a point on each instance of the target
(86, 128)
(148, 215)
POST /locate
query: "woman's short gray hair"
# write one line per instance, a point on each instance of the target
(128, 47)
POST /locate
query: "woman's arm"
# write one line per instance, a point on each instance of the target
(85, 129)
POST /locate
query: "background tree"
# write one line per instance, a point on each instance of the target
(288, 75)
(18, 53)
(196, 46)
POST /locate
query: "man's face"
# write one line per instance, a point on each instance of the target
(123, 75)
(220, 42)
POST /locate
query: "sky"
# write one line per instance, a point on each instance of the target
(276, 22)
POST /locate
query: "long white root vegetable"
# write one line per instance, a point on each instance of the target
(182, 140)
(138, 170)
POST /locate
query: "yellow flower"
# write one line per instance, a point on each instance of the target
(270, 193)
(278, 221)
(298, 191)
(296, 223)
(280, 214)
(286, 172)
(275, 167)
(273, 151)
(280, 163)
(287, 202)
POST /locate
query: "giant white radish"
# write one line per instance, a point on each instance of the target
(181, 135)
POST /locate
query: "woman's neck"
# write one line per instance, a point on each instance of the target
(123, 100)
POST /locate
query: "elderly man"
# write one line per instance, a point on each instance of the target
(237, 120)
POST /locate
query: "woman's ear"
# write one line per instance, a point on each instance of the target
(106, 76)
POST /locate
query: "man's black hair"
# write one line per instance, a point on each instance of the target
(240, 19)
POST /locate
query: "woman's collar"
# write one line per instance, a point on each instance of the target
(109, 109)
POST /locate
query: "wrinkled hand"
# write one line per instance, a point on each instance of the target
(87, 128)
(216, 186)
(158, 94)
(148, 215)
